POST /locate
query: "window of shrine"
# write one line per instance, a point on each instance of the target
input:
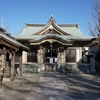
(31, 57)
(71, 55)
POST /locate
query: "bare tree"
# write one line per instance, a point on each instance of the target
(18, 32)
(95, 24)
(7, 28)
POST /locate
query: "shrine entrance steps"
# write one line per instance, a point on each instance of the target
(31, 68)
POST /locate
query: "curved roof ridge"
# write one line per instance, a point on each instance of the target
(26, 24)
(60, 25)
(68, 25)
(51, 25)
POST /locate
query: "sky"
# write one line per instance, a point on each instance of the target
(15, 13)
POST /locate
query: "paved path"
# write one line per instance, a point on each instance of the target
(49, 87)
(52, 86)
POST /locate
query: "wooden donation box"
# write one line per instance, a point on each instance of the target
(51, 65)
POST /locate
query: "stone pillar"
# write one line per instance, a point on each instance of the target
(40, 56)
(12, 66)
(92, 65)
(24, 57)
(40, 59)
(20, 64)
(43, 55)
(63, 57)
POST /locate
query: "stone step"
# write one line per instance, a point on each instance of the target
(29, 68)
(78, 69)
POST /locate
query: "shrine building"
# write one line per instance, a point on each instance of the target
(53, 44)
(10, 49)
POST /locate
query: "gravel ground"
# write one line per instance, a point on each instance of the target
(80, 87)
(83, 86)
(19, 89)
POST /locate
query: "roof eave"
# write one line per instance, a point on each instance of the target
(20, 46)
(2, 29)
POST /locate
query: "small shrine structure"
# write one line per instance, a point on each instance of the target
(10, 49)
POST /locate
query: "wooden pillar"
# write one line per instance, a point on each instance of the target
(12, 66)
(7, 60)
(58, 56)
(20, 65)
(41, 51)
(64, 56)
(38, 57)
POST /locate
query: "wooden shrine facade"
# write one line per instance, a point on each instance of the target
(9, 49)
(53, 43)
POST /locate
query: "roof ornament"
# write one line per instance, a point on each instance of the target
(51, 17)
(51, 28)
(77, 25)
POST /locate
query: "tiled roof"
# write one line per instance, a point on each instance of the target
(30, 31)
(2, 30)
(13, 41)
